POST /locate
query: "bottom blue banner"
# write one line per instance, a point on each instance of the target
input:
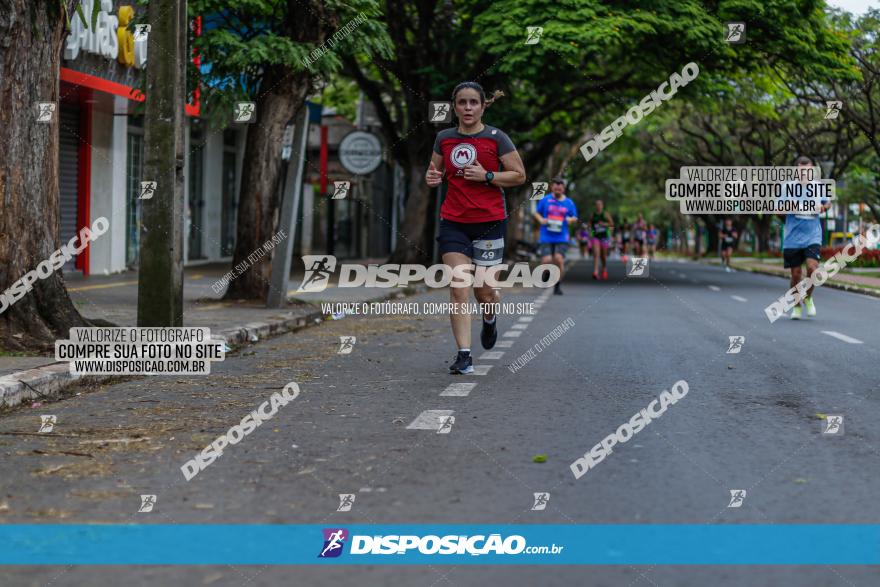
(162, 544)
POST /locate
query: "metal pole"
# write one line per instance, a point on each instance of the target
(281, 260)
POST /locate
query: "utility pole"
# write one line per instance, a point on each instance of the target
(282, 257)
(160, 278)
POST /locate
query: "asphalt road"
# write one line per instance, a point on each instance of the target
(750, 421)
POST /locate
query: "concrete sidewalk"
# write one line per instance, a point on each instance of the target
(843, 280)
(114, 298)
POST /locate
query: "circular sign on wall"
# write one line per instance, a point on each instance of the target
(360, 152)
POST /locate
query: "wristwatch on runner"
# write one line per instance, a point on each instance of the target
(489, 177)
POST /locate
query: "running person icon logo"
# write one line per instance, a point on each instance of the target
(346, 500)
(833, 425)
(244, 112)
(440, 112)
(45, 110)
(147, 503)
(533, 35)
(148, 188)
(47, 424)
(346, 345)
(334, 540)
(446, 425)
(638, 267)
(735, 344)
(736, 32)
(832, 109)
(737, 496)
(340, 189)
(539, 190)
(541, 500)
(318, 269)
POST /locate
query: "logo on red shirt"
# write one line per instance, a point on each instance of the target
(463, 155)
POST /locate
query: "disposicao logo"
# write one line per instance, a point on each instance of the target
(334, 540)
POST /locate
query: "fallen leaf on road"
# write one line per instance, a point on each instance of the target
(204, 506)
(539, 459)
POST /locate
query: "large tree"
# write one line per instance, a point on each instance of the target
(860, 97)
(590, 54)
(31, 36)
(259, 51)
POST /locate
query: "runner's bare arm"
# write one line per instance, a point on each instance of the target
(434, 175)
(514, 173)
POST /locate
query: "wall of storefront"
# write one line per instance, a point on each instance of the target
(108, 182)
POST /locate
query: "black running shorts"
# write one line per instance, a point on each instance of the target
(483, 242)
(797, 257)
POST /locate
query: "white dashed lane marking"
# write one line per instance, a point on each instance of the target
(526, 318)
(491, 355)
(512, 333)
(504, 344)
(739, 298)
(482, 369)
(519, 326)
(842, 337)
(430, 420)
(714, 288)
(459, 389)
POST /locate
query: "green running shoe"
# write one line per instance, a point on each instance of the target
(811, 307)
(796, 313)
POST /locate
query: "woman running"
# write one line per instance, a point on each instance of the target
(583, 236)
(602, 225)
(640, 229)
(473, 217)
(652, 236)
(624, 240)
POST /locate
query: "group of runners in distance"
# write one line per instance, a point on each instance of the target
(477, 161)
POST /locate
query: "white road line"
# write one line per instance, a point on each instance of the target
(430, 420)
(504, 344)
(482, 369)
(491, 355)
(842, 337)
(458, 389)
(526, 318)
(714, 288)
(519, 326)
(512, 333)
(739, 298)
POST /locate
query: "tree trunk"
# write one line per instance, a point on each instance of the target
(160, 276)
(280, 97)
(762, 231)
(711, 223)
(31, 34)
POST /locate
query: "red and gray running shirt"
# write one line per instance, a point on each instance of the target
(472, 201)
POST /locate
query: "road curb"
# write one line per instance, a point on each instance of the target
(832, 284)
(48, 381)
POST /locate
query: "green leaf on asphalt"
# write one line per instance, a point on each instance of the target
(539, 459)
(820, 416)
